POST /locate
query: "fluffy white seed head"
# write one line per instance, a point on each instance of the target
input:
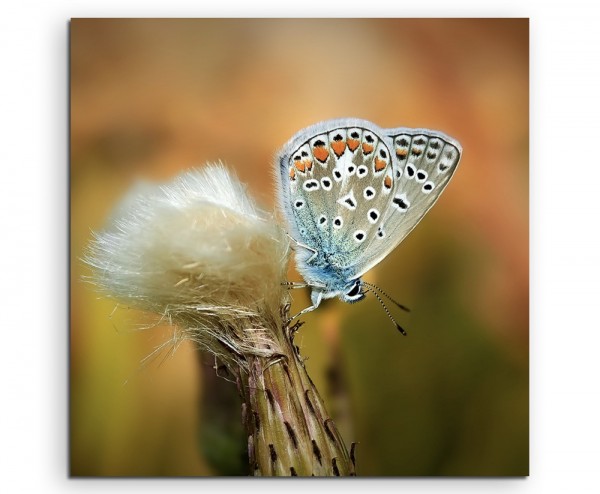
(198, 252)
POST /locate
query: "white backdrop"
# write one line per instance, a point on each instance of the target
(565, 334)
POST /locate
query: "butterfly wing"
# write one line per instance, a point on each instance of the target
(307, 188)
(423, 163)
(347, 197)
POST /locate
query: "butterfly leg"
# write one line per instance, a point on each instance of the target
(304, 246)
(295, 284)
(303, 311)
(311, 258)
(316, 297)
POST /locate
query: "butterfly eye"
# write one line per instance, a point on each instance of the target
(355, 290)
(354, 293)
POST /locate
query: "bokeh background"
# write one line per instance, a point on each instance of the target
(150, 98)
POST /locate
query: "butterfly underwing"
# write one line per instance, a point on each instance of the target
(351, 192)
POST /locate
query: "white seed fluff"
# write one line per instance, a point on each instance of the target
(198, 252)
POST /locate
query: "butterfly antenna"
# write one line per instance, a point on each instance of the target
(387, 311)
(403, 307)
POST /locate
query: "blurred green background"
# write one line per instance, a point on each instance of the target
(150, 98)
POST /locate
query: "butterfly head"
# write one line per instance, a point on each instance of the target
(350, 292)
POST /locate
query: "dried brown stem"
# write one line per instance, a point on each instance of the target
(289, 430)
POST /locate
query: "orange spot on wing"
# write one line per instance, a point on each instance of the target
(321, 153)
(338, 147)
(292, 173)
(401, 152)
(308, 164)
(387, 182)
(352, 144)
(301, 166)
(367, 148)
(379, 164)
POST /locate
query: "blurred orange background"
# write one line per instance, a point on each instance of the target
(151, 98)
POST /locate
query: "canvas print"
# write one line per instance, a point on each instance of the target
(299, 247)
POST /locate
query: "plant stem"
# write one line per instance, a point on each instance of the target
(289, 430)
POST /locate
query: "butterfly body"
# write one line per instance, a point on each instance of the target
(351, 192)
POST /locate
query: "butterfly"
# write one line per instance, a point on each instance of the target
(351, 192)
